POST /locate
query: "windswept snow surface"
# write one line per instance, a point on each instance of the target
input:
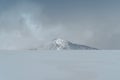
(60, 65)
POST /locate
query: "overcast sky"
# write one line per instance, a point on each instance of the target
(26, 23)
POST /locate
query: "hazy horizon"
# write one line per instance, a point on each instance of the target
(26, 23)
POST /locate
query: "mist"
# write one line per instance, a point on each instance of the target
(28, 24)
(21, 27)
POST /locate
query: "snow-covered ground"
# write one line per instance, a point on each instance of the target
(60, 65)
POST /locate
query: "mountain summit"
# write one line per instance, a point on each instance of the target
(60, 44)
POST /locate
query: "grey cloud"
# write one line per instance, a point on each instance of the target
(32, 22)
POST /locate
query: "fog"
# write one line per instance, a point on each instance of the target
(27, 24)
(21, 26)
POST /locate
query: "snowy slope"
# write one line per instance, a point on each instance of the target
(60, 65)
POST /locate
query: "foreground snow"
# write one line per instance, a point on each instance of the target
(59, 65)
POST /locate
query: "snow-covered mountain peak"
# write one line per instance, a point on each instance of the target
(60, 43)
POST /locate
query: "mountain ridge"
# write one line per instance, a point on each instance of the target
(60, 44)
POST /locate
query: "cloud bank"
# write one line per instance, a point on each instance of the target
(21, 27)
(27, 24)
